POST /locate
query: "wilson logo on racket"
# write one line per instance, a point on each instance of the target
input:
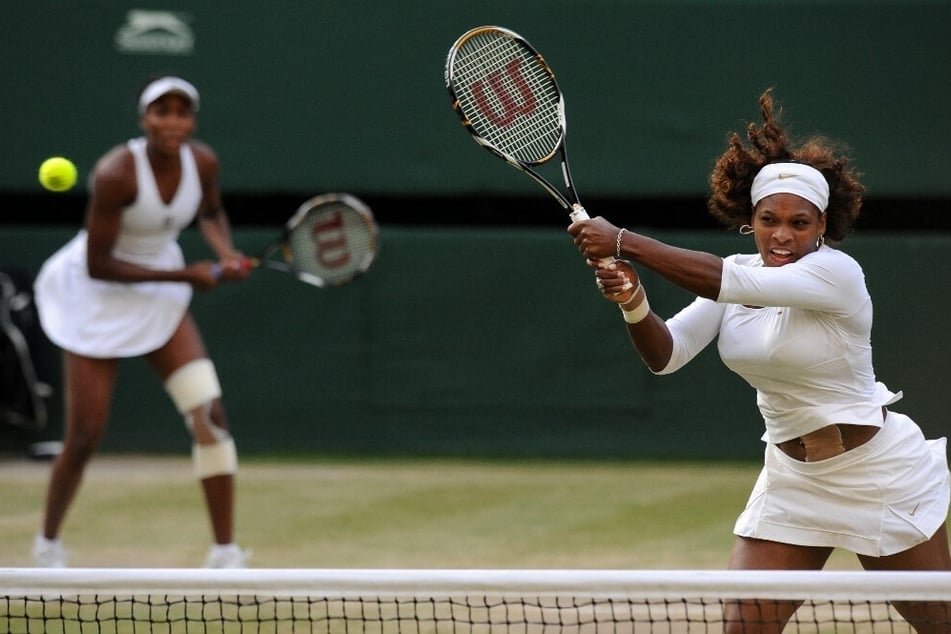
(511, 109)
(330, 241)
(508, 100)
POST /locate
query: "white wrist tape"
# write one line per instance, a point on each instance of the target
(639, 313)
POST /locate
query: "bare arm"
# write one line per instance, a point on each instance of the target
(650, 337)
(213, 221)
(695, 271)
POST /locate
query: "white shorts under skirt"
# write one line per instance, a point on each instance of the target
(878, 499)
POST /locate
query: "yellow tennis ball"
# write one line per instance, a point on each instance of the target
(57, 174)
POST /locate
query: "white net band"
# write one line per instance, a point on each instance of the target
(468, 601)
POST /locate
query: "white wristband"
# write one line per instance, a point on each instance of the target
(639, 314)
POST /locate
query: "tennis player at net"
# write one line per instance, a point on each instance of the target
(842, 470)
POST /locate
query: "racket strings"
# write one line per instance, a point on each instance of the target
(509, 96)
(333, 243)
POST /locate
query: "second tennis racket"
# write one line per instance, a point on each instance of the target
(329, 241)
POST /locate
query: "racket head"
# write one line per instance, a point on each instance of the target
(330, 240)
(506, 95)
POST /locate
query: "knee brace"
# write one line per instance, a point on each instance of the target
(193, 387)
(219, 458)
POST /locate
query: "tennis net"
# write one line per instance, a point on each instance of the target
(386, 601)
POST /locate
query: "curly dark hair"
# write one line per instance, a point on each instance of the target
(732, 176)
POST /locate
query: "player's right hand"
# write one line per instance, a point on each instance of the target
(594, 237)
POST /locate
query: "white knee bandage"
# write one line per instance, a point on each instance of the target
(193, 385)
(220, 458)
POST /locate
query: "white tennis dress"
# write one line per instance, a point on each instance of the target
(807, 352)
(105, 319)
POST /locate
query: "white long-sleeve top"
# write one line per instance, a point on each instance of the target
(800, 334)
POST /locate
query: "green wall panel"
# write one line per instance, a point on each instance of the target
(491, 342)
(331, 95)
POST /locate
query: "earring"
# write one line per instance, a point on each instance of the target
(746, 230)
(820, 241)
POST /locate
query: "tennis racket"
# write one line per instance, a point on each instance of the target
(331, 240)
(508, 99)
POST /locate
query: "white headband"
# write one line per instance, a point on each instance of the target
(165, 85)
(791, 178)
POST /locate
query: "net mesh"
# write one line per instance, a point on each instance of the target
(332, 241)
(485, 601)
(508, 95)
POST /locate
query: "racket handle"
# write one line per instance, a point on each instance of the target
(578, 213)
(250, 263)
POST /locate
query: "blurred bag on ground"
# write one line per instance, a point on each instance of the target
(24, 349)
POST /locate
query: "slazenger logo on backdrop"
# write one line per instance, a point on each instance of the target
(156, 33)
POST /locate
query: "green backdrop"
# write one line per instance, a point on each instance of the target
(348, 95)
(490, 342)
(486, 341)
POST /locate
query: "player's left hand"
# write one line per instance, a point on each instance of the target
(617, 280)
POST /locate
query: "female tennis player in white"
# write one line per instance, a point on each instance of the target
(121, 289)
(842, 470)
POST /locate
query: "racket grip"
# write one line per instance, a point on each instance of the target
(249, 263)
(578, 213)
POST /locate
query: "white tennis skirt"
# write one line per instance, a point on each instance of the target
(878, 499)
(97, 318)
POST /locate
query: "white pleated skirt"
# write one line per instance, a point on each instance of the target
(878, 499)
(102, 319)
